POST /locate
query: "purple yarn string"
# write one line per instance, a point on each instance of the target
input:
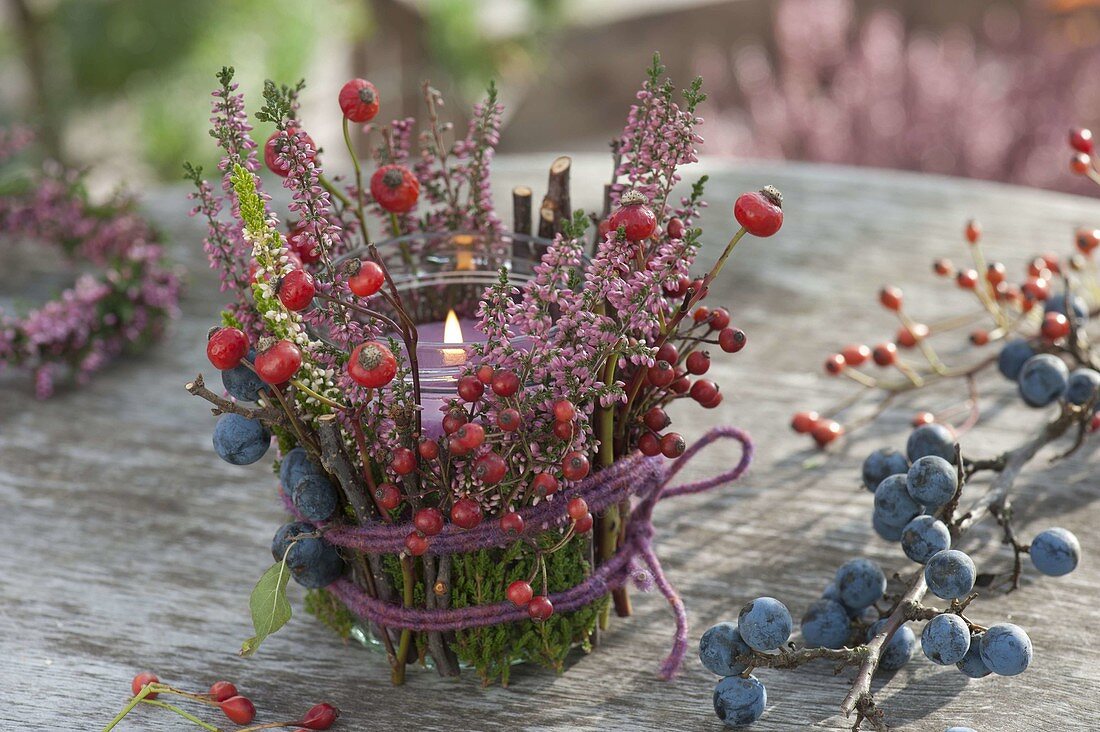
(600, 490)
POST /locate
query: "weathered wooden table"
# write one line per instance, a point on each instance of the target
(130, 546)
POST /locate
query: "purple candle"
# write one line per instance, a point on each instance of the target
(443, 348)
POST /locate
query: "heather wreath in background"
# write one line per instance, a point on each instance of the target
(123, 294)
(489, 525)
(841, 86)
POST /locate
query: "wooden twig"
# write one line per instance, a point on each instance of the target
(336, 462)
(521, 210)
(556, 204)
(268, 415)
(436, 596)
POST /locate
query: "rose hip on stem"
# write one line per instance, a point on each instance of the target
(239, 709)
(428, 521)
(760, 212)
(359, 101)
(387, 496)
(634, 216)
(649, 444)
(395, 188)
(226, 347)
(367, 280)
(804, 422)
(540, 608)
(855, 355)
(1080, 139)
(826, 431)
(466, 513)
(505, 383)
(673, 445)
(834, 364)
(544, 484)
(512, 523)
(372, 365)
(890, 297)
(732, 340)
(222, 690)
(141, 681)
(519, 593)
(575, 466)
(278, 361)
(973, 231)
(296, 290)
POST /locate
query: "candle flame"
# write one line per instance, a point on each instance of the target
(452, 329)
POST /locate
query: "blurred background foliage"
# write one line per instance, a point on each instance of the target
(981, 88)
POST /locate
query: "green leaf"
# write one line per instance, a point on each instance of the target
(269, 606)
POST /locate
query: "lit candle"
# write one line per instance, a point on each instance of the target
(452, 333)
(443, 349)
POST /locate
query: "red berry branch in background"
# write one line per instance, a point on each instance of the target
(1049, 308)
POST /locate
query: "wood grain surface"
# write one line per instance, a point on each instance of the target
(130, 546)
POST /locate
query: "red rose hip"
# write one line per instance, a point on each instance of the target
(634, 216)
(540, 608)
(296, 290)
(368, 280)
(760, 212)
(395, 188)
(359, 100)
(320, 716)
(239, 709)
(372, 365)
(141, 681)
(226, 347)
(466, 513)
(279, 362)
(519, 593)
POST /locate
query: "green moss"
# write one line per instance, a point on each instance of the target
(482, 577)
(330, 611)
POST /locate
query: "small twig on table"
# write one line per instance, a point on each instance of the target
(225, 406)
(1003, 514)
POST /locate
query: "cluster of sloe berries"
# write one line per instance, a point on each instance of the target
(1043, 378)
(911, 490)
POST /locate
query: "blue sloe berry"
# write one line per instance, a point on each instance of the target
(739, 701)
(950, 574)
(924, 537)
(1055, 552)
(240, 440)
(945, 639)
(765, 623)
(718, 648)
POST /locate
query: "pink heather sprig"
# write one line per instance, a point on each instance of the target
(223, 243)
(474, 156)
(658, 139)
(231, 128)
(454, 180)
